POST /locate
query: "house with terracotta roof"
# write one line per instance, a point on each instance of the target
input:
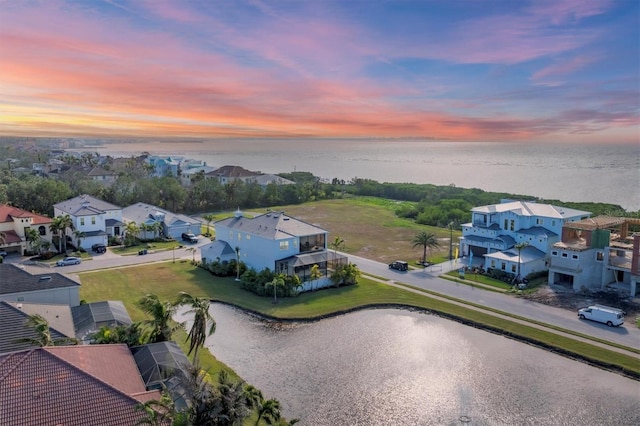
(96, 219)
(275, 241)
(496, 231)
(15, 222)
(76, 385)
(18, 285)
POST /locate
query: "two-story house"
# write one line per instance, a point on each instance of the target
(595, 253)
(14, 226)
(95, 219)
(164, 165)
(515, 236)
(273, 241)
(227, 174)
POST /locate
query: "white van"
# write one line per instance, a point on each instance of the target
(603, 314)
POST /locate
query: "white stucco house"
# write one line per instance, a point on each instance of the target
(275, 241)
(173, 225)
(96, 219)
(596, 253)
(514, 236)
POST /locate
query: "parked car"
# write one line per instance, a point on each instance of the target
(399, 265)
(69, 261)
(189, 237)
(99, 248)
(603, 314)
(3, 253)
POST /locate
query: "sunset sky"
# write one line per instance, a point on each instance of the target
(486, 70)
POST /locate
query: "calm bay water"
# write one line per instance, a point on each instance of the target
(395, 367)
(597, 173)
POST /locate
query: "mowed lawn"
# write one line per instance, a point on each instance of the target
(168, 279)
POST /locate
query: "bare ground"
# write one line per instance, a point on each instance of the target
(562, 297)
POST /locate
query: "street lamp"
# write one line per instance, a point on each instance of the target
(451, 240)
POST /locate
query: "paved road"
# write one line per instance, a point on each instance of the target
(427, 278)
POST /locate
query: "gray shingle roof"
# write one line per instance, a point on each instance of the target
(38, 388)
(146, 213)
(13, 279)
(13, 327)
(273, 225)
(85, 205)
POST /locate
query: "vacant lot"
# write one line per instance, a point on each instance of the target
(370, 228)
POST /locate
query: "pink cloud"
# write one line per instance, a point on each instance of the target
(562, 68)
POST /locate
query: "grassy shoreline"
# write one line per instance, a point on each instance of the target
(167, 279)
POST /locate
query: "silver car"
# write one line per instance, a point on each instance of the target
(69, 261)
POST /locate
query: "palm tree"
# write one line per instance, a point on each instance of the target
(161, 324)
(209, 218)
(43, 333)
(59, 226)
(278, 281)
(199, 307)
(335, 245)
(426, 241)
(193, 251)
(32, 237)
(237, 263)
(314, 275)
(268, 410)
(79, 236)
(158, 412)
(131, 230)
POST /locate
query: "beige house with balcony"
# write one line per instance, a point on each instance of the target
(15, 222)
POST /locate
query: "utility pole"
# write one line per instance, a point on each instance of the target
(451, 240)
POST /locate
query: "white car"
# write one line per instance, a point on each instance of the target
(69, 261)
(3, 253)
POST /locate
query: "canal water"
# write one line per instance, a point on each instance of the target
(397, 367)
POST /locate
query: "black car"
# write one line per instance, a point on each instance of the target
(399, 265)
(99, 248)
(189, 237)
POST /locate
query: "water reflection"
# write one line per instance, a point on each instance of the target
(394, 367)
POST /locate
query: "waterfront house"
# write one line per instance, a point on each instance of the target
(274, 241)
(14, 225)
(228, 174)
(72, 385)
(514, 236)
(597, 253)
(164, 165)
(102, 176)
(95, 219)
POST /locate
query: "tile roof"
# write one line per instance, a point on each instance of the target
(13, 279)
(58, 316)
(113, 364)
(13, 327)
(8, 212)
(39, 388)
(232, 171)
(273, 225)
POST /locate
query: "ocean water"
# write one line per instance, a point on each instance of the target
(568, 172)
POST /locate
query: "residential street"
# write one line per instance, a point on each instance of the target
(427, 278)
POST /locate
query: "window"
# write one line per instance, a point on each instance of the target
(248, 237)
(506, 224)
(553, 223)
(93, 220)
(284, 245)
(513, 268)
(599, 256)
(42, 230)
(503, 266)
(554, 253)
(493, 263)
(82, 221)
(512, 226)
(539, 221)
(574, 256)
(565, 255)
(239, 236)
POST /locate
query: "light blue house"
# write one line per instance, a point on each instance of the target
(164, 165)
(274, 241)
(515, 235)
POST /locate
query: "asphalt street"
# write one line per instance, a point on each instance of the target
(427, 278)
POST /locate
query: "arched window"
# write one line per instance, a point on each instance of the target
(42, 230)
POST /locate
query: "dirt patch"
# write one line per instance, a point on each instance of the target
(560, 297)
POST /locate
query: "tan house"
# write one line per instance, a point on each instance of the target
(15, 222)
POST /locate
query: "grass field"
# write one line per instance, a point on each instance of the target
(369, 227)
(167, 279)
